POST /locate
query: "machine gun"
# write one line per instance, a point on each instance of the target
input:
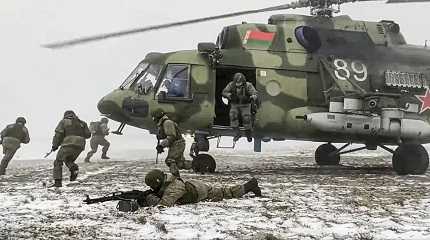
(128, 201)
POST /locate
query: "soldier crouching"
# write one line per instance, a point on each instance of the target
(99, 130)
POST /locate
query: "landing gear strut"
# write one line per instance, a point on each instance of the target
(119, 130)
(202, 163)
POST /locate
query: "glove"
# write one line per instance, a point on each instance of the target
(54, 148)
(159, 148)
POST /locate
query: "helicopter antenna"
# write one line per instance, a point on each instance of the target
(324, 8)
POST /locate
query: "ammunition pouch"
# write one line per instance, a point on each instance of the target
(127, 206)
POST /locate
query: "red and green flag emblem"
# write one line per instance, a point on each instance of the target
(258, 39)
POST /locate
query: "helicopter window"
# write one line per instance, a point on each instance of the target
(308, 38)
(148, 78)
(176, 81)
(133, 75)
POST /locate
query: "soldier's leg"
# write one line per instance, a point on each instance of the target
(94, 146)
(245, 112)
(177, 152)
(234, 120)
(70, 162)
(8, 155)
(58, 164)
(106, 144)
(235, 191)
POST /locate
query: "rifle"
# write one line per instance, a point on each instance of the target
(48, 153)
(128, 201)
(156, 158)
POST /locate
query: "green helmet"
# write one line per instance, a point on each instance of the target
(154, 179)
(104, 120)
(239, 79)
(157, 114)
(69, 114)
(21, 120)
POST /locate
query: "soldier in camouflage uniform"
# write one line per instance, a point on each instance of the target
(240, 93)
(170, 136)
(98, 131)
(171, 190)
(11, 138)
(70, 133)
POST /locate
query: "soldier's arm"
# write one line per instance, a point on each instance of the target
(104, 128)
(59, 135)
(87, 132)
(173, 193)
(170, 131)
(3, 132)
(26, 136)
(227, 90)
(252, 91)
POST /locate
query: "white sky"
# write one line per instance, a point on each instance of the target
(40, 83)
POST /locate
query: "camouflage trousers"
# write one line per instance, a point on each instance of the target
(94, 143)
(241, 111)
(67, 155)
(8, 155)
(175, 159)
(225, 192)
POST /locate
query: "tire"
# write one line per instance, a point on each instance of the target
(204, 163)
(410, 158)
(323, 156)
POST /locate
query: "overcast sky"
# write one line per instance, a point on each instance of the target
(40, 83)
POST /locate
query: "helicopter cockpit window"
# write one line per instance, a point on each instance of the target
(308, 38)
(148, 78)
(176, 81)
(131, 79)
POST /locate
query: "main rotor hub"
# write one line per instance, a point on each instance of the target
(325, 8)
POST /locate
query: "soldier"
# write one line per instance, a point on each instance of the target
(70, 133)
(98, 132)
(11, 138)
(170, 136)
(240, 93)
(171, 190)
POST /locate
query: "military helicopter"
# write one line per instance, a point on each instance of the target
(320, 78)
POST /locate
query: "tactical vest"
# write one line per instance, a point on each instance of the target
(16, 131)
(243, 97)
(162, 134)
(74, 127)
(96, 128)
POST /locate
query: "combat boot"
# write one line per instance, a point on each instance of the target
(74, 175)
(252, 186)
(248, 135)
(2, 171)
(87, 159)
(57, 183)
(104, 156)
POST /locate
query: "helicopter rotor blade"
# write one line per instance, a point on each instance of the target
(406, 1)
(68, 43)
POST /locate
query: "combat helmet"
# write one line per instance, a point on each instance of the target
(157, 115)
(154, 179)
(104, 120)
(69, 114)
(239, 79)
(21, 120)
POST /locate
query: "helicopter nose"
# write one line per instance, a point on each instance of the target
(111, 109)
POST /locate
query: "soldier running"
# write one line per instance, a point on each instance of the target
(173, 190)
(11, 138)
(240, 93)
(70, 133)
(170, 136)
(98, 132)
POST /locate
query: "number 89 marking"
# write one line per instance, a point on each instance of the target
(342, 72)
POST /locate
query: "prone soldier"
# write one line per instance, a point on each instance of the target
(70, 134)
(240, 94)
(170, 136)
(168, 191)
(98, 132)
(11, 138)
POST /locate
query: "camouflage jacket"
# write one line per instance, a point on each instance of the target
(16, 131)
(239, 95)
(168, 130)
(177, 191)
(71, 132)
(99, 129)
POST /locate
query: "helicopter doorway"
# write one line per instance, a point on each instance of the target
(223, 77)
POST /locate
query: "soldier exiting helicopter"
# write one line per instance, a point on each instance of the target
(11, 138)
(241, 94)
(70, 133)
(98, 132)
(170, 136)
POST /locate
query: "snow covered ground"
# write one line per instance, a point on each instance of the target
(362, 199)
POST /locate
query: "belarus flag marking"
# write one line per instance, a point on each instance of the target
(258, 38)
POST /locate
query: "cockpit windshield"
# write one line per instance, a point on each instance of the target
(134, 75)
(147, 79)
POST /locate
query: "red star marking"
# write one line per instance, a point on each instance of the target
(425, 101)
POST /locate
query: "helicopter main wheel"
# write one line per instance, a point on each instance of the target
(410, 158)
(324, 155)
(204, 163)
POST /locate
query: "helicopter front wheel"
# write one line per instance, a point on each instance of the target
(410, 158)
(203, 163)
(326, 155)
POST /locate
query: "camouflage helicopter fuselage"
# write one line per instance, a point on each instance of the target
(367, 63)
